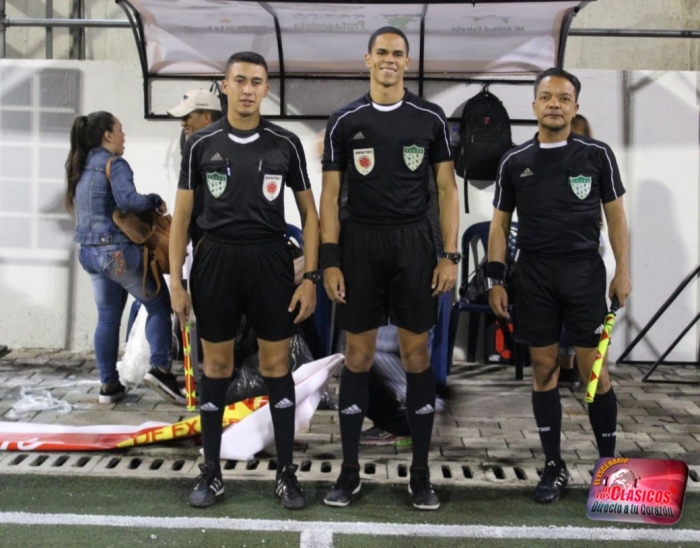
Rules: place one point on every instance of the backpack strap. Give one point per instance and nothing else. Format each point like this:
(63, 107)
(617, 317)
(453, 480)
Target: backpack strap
(108, 168)
(150, 260)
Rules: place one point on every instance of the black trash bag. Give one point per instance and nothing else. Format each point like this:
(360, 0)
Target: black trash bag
(247, 382)
(299, 352)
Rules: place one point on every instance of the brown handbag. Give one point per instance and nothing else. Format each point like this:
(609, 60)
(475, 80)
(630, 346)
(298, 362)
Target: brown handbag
(150, 230)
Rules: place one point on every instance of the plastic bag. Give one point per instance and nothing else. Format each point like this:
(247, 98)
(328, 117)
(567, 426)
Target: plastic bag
(247, 382)
(135, 362)
(32, 400)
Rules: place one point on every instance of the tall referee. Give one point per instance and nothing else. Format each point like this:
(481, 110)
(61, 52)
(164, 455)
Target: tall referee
(242, 264)
(385, 265)
(557, 181)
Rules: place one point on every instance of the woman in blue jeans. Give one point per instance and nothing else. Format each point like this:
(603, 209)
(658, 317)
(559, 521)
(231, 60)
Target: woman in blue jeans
(114, 263)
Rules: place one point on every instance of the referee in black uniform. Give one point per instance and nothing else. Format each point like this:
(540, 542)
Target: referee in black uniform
(385, 265)
(557, 182)
(242, 264)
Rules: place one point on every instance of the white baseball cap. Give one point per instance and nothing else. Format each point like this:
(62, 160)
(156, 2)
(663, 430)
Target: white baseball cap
(196, 99)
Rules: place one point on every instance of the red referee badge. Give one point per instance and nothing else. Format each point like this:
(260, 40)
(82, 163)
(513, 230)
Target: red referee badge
(364, 160)
(272, 185)
(637, 490)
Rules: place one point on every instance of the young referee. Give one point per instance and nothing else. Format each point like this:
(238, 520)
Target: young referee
(386, 265)
(242, 266)
(557, 181)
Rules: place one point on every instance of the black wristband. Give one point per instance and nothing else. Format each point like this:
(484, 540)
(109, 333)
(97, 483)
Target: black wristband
(496, 270)
(330, 256)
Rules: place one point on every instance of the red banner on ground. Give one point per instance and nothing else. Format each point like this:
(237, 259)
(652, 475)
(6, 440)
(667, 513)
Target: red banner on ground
(24, 436)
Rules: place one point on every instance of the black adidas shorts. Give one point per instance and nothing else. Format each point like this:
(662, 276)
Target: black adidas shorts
(388, 271)
(552, 291)
(231, 280)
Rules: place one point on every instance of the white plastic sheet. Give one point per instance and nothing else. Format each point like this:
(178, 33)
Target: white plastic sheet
(32, 400)
(243, 440)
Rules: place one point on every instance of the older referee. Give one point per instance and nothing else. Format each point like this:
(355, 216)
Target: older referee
(557, 181)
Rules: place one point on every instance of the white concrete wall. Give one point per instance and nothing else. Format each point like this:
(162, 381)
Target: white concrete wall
(47, 298)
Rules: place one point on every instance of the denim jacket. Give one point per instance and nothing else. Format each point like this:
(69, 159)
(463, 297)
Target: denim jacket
(96, 199)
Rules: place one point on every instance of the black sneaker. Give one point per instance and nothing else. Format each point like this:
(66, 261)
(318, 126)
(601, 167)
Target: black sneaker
(347, 485)
(424, 497)
(209, 486)
(569, 378)
(554, 478)
(288, 490)
(165, 384)
(110, 393)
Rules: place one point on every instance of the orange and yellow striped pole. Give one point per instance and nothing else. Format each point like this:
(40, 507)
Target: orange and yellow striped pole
(190, 394)
(602, 350)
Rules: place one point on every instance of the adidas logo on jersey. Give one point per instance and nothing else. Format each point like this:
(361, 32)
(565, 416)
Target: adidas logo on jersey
(216, 156)
(426, 410)
(358, 135)
(352, 410)
(208, 407)
(599, 331)
(283, 404)
(527, 173)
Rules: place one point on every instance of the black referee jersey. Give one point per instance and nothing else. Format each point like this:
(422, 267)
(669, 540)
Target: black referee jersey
(557, 192)
(386, 152)
(243, 175)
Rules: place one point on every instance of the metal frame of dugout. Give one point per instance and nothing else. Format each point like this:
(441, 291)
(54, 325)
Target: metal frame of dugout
(695, 274)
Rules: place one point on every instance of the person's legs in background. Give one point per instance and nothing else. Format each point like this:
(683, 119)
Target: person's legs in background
(158, 322)
(387, 394)
(569, 376)
(110, 299)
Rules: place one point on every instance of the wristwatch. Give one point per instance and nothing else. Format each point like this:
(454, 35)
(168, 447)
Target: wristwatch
(454, 257)
(314, 276)
(492, 282)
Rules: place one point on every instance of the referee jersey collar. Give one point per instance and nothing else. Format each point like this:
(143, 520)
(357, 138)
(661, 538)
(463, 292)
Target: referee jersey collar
(387, 108)
(243, 136)
(550, 146)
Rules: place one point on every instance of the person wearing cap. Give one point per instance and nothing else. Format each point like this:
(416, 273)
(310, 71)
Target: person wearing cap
(198, 109)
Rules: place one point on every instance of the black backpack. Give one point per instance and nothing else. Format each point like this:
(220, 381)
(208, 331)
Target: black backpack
(484, 136)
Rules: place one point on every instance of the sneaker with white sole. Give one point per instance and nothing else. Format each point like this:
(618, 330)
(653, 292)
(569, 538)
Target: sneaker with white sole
(111, 393)
(165, 384)
(347, 485)
(420, 488)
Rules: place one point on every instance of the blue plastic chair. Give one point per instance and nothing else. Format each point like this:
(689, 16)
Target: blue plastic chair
(474, 237)
(439, 347)
(323, 314)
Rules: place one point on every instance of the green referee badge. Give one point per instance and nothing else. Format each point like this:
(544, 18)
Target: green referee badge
(581, 186)
(216, 183)
(413, 156)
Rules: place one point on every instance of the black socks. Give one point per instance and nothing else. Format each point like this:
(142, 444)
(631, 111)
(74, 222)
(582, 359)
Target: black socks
(420, 406)
(602, 413)
(352, 406)
(547, 409)
(212, 401)
(282, 407)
